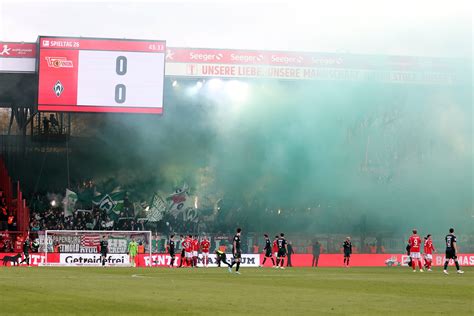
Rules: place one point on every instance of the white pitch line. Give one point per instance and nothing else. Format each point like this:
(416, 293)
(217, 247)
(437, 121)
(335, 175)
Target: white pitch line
(139, 276)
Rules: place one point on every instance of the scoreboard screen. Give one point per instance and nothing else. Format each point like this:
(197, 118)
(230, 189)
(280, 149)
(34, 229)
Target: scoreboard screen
(100, 75)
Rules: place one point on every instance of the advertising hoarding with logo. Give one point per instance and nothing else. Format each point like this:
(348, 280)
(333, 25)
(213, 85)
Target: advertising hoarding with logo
(285, 65)
(17, 57)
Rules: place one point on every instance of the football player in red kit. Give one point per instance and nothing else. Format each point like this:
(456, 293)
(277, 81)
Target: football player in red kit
(195, 250)
(415, 243)
(188, 250)
(428, 252)
(275, 250)
(205, 245)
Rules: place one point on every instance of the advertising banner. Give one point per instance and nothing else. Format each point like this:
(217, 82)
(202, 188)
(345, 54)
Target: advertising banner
(248, 260)
(228, 63)
(164, 260)
(17, 57)
(367, 260)
(35, 258)
(86, 259)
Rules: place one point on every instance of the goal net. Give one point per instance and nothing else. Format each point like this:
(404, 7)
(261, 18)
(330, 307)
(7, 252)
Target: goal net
(82, 248)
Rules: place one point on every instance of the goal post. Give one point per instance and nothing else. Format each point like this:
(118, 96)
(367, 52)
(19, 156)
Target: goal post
(82, 247)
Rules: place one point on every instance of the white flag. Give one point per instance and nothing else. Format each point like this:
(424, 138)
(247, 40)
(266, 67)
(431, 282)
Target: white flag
(69, 202)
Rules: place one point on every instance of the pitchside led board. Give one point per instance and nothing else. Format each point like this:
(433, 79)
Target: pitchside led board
(100, 75)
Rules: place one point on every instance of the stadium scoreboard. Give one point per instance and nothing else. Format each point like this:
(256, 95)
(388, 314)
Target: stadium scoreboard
(100, 75)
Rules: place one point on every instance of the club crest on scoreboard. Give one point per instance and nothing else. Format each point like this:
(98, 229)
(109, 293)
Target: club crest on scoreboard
(58, 88)
(59, 62)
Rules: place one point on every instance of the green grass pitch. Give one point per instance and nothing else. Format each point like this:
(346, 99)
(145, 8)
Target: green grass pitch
(257, 291)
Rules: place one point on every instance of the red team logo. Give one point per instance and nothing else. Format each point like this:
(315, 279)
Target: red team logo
(59, 62)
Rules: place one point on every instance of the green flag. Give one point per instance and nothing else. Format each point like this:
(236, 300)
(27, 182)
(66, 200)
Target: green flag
(111, 203)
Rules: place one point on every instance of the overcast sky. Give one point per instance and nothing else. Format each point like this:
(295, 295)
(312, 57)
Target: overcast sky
(399, 27)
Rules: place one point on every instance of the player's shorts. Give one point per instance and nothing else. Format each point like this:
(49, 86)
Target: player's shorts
(275, 254)
(195, 253)
(26, 253)
(268, 253)
(205, 254)
(347, 254)
(103, 253)
(281, 253)
(238, 254)
(182, 253)
(415, 255)
(172, 254)
(188, 254)
(428, 256)
(451, 254)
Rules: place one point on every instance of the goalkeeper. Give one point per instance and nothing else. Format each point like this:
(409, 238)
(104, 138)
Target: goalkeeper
(132, 252)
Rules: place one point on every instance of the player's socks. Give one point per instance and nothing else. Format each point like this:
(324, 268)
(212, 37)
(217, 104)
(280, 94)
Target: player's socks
(348, 262)
(420, 265)
(278, 261)
(237, 266)
(282, 262)
(273, 261)
(264, 259)
(457, 264)
(446, 265)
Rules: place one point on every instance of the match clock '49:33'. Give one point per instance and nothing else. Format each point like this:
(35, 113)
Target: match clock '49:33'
(100, 75)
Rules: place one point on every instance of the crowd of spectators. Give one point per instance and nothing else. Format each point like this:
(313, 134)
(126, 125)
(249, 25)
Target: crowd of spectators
(95, 219)
(7, 216)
